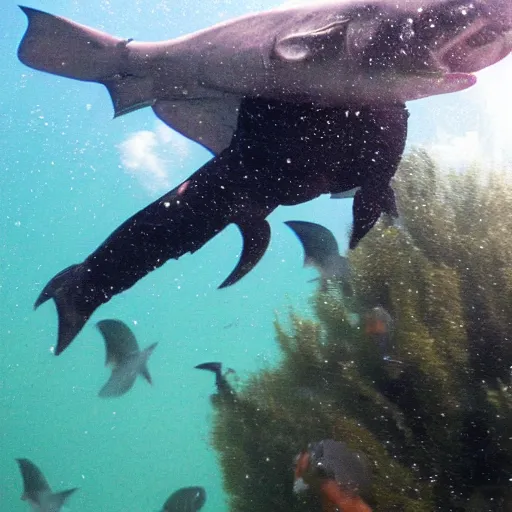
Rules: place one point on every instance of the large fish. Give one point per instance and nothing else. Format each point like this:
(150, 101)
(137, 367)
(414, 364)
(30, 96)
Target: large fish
(186, 499)
(331, 53)
(266, 165)
(294, 103)
(37, 491)
(124, 356)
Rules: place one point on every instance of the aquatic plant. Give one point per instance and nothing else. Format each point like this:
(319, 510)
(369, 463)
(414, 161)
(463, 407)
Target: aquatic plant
(434, 418)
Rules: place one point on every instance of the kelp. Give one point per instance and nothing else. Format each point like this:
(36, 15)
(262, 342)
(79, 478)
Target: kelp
(434, 418)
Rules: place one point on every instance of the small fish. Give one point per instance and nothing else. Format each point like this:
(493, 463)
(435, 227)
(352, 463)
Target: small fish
(224, 388)
(322, 252)
(186, 499)
(334, 472)
(378, 324)
(124, 356)
(37, 491)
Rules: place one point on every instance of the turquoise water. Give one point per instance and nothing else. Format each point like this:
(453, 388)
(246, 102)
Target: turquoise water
(65, 186)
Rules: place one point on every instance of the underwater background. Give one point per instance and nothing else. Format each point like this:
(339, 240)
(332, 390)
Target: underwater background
(70, 175)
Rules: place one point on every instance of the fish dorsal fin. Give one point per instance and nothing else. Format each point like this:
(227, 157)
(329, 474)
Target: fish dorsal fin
(210, 122)
(322, 42)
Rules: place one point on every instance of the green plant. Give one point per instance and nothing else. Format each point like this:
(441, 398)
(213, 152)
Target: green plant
(436, 421)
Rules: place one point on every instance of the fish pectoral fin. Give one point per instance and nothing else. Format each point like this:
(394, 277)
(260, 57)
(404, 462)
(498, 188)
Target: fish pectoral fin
(323, 42)
(210, 122)
(367, 208)
(256, 237)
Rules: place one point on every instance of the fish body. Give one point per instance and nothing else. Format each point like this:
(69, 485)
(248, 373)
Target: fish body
(266, 165)
(337, 53)
(322, 252)
(335, 473)
(186, 499)
(123, 354)
(36, 490)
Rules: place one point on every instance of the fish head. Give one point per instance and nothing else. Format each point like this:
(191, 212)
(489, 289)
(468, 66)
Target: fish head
(420, 48)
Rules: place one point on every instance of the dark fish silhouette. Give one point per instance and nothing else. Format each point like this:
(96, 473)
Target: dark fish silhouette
(322, 252)
(37, 491)
(224, 388)
(334, 472)
(186, 499)
(124, 356)
(279, 98)
(265, 166)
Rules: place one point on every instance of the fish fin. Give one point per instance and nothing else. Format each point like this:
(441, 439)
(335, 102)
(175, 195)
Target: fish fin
(120, 342)
(55, 502)
(256, 237)
(63, 47)
(144, 367)
(388, 202)
(212, 367)
(34, 481)
(318, 242)
(367, 208)
(323, 42)
(73, 306)
(210, 122)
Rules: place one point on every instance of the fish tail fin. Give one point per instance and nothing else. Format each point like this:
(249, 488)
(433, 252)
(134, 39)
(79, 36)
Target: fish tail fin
(57, 500)
(74, 307)
(144, 359)
(63, 47)
(212, 367)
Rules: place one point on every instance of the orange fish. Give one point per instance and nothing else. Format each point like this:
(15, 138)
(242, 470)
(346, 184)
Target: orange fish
(379, 326)
(334, 472)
